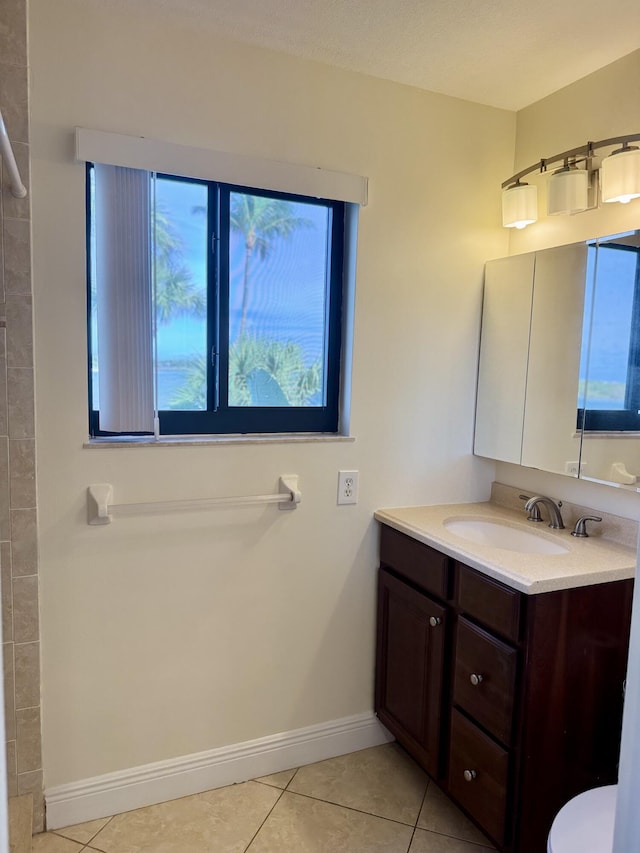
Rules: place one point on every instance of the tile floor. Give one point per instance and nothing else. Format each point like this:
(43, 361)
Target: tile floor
(374, 801)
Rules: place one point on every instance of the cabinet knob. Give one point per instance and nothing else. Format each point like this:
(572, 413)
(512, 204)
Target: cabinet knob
(434, 621)
(475, 679)
(469, 775)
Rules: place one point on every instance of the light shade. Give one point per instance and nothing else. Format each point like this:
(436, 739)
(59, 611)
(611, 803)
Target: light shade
(519, 205)
(620, 175)
(568, 191)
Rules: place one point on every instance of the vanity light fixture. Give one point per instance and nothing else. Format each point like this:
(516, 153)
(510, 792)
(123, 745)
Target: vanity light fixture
(621, 174)
(519, 205)
(573, 187)
(568, 190)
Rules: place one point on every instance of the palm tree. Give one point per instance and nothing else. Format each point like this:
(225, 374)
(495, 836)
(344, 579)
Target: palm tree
(176, 293)
(259, 366)
(260, 220)
(256, 366)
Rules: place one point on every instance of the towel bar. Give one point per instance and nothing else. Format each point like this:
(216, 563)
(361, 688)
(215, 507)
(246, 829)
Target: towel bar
(101, 509)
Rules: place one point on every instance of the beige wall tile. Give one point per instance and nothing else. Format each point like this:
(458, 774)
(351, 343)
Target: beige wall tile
(18, 208)
(17, 489)
(5, 514)
(9, 691)
(20, 402)
(31, 783)
(22, 473)
(4, 415)
(24, 543)
(27, 675)
(28, 741)
(25, 609)
(19, 330)
(14, 100)
(7, 592)
(17, 257)
(2, 296)
(13, 31)
(12, 770)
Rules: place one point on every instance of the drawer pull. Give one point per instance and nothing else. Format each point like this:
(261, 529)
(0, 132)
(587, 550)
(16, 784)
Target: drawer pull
(469, 775)
(475, 679)
(434, 621)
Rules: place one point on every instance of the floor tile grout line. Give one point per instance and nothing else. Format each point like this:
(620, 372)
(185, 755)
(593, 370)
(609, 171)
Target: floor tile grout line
(93, 849)
(479, 844)
(61, 834)
(350, 808)
(268, 815)
(415, 826)
(292, 778)
(424, 798)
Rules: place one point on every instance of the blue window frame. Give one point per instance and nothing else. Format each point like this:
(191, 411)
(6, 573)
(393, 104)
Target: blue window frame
(246, 294)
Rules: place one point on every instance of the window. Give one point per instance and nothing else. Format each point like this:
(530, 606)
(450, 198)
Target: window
(609, 393)
(213, 308)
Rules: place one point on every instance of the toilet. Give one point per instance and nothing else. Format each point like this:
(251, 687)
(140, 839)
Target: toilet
(585, 823)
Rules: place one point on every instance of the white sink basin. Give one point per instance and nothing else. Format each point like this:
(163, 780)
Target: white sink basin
(499, 535)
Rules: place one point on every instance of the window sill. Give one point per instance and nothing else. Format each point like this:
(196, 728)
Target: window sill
(607, 434)
(213, 440)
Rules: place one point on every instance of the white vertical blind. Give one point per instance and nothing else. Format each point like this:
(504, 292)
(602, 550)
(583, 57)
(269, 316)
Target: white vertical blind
(124, 299)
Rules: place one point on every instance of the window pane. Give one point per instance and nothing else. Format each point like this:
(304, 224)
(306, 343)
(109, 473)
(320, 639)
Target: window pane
(278, 301)
(610, 314)
(181, 287)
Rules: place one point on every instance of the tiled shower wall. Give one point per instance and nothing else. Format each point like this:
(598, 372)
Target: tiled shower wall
(18, 542)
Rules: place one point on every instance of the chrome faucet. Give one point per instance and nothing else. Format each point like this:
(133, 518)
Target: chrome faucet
(555, 518)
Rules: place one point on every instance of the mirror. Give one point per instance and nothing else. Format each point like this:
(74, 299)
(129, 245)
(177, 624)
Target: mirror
(609, 393)
(559, 372)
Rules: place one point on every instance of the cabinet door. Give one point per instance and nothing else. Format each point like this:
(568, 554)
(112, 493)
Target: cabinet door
(409, 668)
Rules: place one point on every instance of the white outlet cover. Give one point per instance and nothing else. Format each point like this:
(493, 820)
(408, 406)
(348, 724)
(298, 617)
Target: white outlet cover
(347, 487)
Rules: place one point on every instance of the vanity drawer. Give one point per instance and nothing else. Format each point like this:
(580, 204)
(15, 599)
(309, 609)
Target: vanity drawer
(484, 684)
(478, 775)
(490, 602)
(417, 562)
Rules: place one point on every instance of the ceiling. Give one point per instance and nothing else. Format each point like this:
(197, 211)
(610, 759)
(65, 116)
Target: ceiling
(505, 53)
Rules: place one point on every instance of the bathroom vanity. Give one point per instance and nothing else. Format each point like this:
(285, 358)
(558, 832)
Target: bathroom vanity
(501, 672)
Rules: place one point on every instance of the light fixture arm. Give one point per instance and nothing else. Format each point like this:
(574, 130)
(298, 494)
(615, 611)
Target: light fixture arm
(582, 152)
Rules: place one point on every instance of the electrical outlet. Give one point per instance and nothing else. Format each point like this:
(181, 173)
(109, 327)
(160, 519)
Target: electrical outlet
(571, 468)
(347, 487)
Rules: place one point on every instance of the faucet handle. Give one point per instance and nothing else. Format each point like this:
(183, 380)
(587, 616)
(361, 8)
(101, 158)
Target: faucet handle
(534, 513)
(580, 529)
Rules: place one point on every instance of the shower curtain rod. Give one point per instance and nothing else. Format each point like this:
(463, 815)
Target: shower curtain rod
(18, 189)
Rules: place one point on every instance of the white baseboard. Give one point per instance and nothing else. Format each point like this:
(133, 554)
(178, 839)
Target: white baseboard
(102, 796)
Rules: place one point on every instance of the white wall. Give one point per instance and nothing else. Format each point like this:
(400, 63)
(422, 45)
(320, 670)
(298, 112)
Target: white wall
(602, 105)
(169, 635)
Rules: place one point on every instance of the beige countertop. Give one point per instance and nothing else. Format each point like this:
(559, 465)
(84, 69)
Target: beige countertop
(588, 561)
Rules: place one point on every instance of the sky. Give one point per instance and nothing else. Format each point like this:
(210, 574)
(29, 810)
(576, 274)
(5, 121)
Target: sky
(287, 288)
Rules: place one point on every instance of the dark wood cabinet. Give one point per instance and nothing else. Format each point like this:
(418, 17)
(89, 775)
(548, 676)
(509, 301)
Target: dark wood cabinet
(410, 668)
(511, 702)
